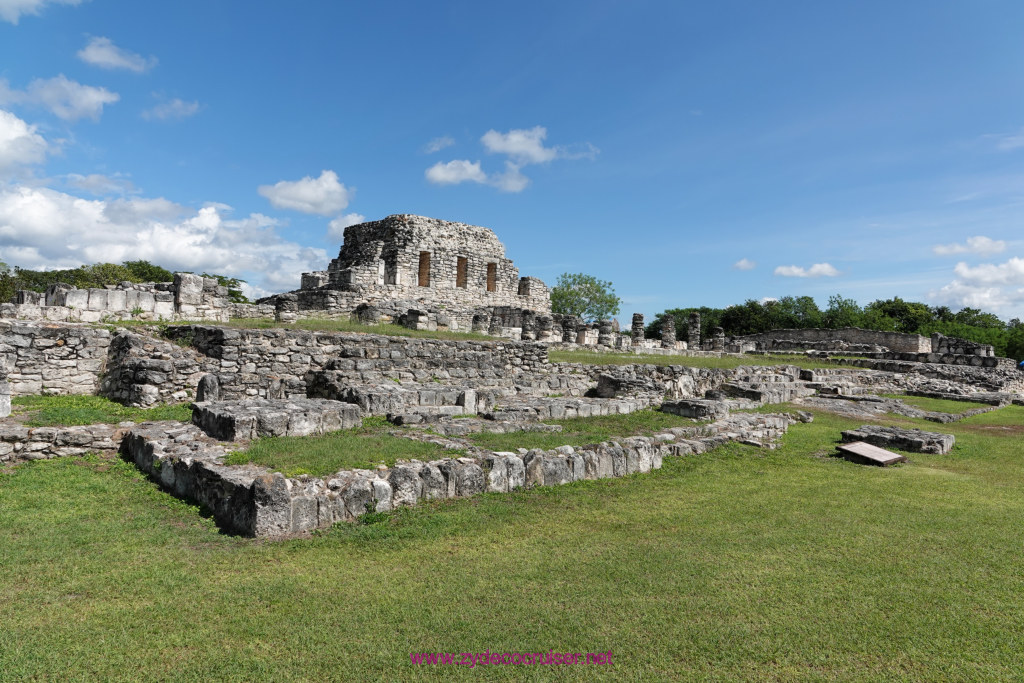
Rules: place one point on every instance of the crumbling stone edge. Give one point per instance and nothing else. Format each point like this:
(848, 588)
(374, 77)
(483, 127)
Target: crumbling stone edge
(253, 501)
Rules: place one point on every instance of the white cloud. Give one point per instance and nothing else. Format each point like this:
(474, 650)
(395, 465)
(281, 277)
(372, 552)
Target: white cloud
(455, 172)
(959, 294)
(336, 228)
(172, 109)
(437, 144)
(980, 244)
(744, 264)
(511, 180)
(100, 185)
(323, 196)
(12, 10)
(817, 270)
(42, 227)
(988, 274)
(103, 53)
(20, 144)
(67, 99)
(524, 146)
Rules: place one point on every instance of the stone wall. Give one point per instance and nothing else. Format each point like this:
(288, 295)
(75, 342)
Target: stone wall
(277, 363)
(954, 346)
(49, 359)
(893, 341)
(189, 297)
(19, 443)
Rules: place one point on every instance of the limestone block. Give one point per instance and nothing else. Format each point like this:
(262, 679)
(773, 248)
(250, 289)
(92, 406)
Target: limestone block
(188, 289)
(77, 298)
(163, 310)
(434, 484)
(5, 398)
(383, 496)
(116, 300)
(406, 483)
(97, 299)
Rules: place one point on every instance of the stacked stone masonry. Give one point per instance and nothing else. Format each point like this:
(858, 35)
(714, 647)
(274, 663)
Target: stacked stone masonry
(188, 297)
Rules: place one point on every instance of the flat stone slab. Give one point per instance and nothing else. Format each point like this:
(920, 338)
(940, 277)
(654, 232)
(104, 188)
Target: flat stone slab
(698, 408)
(913, 440)
(246, 420)
(865, 454)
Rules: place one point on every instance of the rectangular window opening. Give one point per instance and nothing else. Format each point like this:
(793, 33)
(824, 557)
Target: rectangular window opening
(492, 277)
(462, 272)
(424, 269)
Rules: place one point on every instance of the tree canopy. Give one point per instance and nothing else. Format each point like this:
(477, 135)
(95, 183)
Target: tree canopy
(584, 296)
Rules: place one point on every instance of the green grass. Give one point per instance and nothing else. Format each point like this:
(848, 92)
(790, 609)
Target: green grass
(739, 564)
(360, 448)
(583, 431)
(66, 411)
(936, 405)
(726, 362)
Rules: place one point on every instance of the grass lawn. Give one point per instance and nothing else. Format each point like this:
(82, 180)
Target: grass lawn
(736, 564)
(583, 431)
(937, 405)
(360, 448)
(726, 362)
(66, 411)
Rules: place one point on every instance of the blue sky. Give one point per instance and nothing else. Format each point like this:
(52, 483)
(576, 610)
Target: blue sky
(691, 153)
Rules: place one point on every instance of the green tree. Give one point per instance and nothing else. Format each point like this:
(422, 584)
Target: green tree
(584, 296)
(147, 272)
(843, 313)
(906, 316)
(975, 318)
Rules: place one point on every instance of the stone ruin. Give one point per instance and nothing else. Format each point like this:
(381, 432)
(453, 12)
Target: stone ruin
(425, 274)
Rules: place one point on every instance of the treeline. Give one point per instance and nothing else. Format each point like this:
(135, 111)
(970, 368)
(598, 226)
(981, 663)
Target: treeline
(889, 315)
(99, 275)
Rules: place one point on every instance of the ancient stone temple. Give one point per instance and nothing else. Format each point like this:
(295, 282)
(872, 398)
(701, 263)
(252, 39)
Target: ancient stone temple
(443, 269)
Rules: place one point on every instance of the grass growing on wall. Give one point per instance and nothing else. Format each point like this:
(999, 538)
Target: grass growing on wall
(739, 564)
(347, 325)
(937, 405)
(363, 447)
(725, 362)
(584, 431)
(66, 411)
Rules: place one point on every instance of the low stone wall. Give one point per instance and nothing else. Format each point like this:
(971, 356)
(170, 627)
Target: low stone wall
(19, 443)
(277, 363)
(188, 297)
(5, 395)
(894, 341)
(252, 501)
(52, 359)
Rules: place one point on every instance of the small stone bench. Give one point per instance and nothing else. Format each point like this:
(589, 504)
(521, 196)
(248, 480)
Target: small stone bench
(246, 420)
(912, 440)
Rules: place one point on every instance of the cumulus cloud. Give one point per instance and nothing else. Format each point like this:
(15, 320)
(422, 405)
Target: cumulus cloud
(986, 274)
(20, 144)
(171, 110)
(336, 228)
(455, 172)
(437, 144)
(103, 53)
(817, 270)
(12, 10)
(323, 196)
(67, 99)
(744, 264)
(42, 227)
(512, 180)
(524, 146)
(979, 244)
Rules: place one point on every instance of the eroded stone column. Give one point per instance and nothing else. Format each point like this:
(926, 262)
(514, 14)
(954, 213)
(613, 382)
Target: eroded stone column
(569, 330)
(693, 333)
(637, 331)
(605, 334)
(718, 339)
(529, 326)
(545, 325)
(668, 332)
(286, 308)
